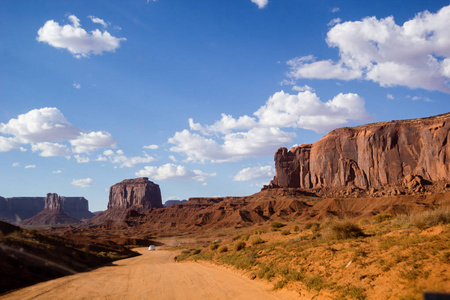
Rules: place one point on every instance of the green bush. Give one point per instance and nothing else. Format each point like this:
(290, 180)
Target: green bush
(285, 232)
(256, 240)
(280, 284)
(295, 228)
(314, 226)
(245, 237)
(213, 246)
(239, 246)
(222, 249)
(277, 225)
(195, 251)
(431, 218)
(382, 217)
(344, 230)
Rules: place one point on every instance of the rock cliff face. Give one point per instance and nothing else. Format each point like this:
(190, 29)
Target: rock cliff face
(369, 156)
(137, 193)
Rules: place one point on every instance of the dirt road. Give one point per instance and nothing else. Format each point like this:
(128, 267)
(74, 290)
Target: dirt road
(154, 275)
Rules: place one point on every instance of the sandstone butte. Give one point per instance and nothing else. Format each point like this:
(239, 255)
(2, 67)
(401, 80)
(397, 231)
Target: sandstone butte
(369, 156)
(139, 193)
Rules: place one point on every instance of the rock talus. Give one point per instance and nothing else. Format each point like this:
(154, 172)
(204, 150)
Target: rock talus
(137, 193)
(369, 156)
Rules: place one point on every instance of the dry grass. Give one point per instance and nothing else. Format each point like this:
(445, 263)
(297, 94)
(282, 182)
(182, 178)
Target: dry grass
(347, 260)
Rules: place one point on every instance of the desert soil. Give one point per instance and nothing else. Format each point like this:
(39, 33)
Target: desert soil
(153, 275)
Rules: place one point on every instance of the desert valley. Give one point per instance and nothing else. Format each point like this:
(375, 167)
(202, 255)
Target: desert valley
(363, 213)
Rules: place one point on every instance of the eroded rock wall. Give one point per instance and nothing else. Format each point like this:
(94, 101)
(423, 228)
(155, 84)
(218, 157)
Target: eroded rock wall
(369, 156)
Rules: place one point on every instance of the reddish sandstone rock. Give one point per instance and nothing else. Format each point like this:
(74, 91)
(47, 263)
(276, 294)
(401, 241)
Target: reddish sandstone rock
(136, 193)
(370, 156)
(52, 202)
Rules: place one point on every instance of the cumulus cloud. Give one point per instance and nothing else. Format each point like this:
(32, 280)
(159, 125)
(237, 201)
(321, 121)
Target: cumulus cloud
(30, 166)
(88, 142)
(231, 139)
(82, 159)
(16, 164)
(76, 40)
(302, 88)
(76, 85)
(173, 172)
(84, 182)
(8, 144)
(252, 173)
(57, 172)
(49, 133)
(122, 160)
(260, 3)
(98, 21)
(415, 54)
(390, 96)
(50, 149)
(46, 124)
(151, 147)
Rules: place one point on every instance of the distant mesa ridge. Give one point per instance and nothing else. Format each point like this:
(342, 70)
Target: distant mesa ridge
(139, 193)
(369, 156)
(16, 209)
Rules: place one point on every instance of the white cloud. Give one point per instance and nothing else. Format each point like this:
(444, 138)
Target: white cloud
(260, 3)
(76, 85)
(30, 166)
(173, 172)
(101, 158)
(47, 124)
(57, 172)
(98, 21)
(335, 9)
(84, 182)
(82, 159)
(23, 149)
(334, 22)
(230, 139)
(302, 88)
(108, 152)
(50, 149)
(172, 158)
(8, 144)
(16, 164)
(415, 54)
(151, 147)
(417, 98)
(88, 142)
(390, 97)
(252, 173)
(76, 40)
(129, 162)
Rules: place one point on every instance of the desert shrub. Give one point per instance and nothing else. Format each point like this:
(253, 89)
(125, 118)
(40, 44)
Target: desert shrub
(277, 225)
(256, 240)
(258, 232)
(266, 271)
(314, 226)
(445, 258)
(344, 230)
(242, 260)
(353, 292)
(245, 237)
(382, 217)
(295, 228)
(280, 284)
(195, 251)
(431, 218)
(237, 237)
(363, 221)
(213, 246)
(239, 246)
(222, 249)
(285, 232)
(314, 282)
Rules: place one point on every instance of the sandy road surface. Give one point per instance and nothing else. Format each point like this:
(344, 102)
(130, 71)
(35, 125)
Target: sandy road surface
(154, 275)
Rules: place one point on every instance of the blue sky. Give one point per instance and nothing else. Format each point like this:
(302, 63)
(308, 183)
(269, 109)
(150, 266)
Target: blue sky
(198, 95)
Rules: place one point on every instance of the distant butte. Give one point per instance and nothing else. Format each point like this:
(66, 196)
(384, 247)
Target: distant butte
(139, 193)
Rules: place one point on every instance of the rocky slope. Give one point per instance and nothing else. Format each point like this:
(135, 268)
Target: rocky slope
(139, 193)
(369, 156)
